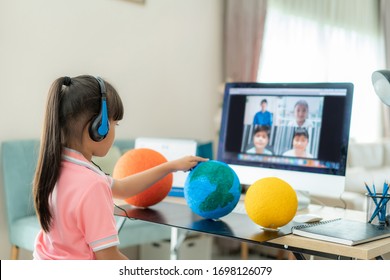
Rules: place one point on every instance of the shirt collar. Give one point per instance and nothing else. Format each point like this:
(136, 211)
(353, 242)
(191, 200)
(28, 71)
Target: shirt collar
(76, 157)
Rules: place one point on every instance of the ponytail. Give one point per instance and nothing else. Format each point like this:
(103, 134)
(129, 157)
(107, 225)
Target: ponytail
(49, 159)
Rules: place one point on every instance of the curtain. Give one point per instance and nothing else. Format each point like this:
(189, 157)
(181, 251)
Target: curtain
(243, 36)
(243, 31)
(385, 28)
(327, 41)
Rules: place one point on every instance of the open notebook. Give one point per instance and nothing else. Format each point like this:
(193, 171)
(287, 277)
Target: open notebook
(342, 231)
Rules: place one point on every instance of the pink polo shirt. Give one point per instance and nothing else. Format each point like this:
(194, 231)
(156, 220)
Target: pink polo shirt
(83, 212)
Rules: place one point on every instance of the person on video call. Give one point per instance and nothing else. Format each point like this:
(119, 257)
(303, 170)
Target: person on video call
(263, 117)
(260, 140)
(301, 112)
(299, 143)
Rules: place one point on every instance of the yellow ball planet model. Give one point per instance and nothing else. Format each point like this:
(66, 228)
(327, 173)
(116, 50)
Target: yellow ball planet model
(271, 203)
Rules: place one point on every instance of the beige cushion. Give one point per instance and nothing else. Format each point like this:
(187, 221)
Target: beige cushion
(356, 177)
(368, 155)
(386, 147)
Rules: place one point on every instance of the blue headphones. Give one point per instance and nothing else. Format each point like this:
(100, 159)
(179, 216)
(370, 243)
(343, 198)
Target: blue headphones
(100, 125)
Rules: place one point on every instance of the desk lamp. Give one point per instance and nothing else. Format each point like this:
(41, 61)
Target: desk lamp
(381, 82)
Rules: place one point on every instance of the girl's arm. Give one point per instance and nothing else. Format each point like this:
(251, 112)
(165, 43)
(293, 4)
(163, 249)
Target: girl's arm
(111, 253)
(136, 183)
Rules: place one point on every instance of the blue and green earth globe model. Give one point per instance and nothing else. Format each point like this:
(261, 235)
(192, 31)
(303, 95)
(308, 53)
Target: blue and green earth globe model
(212, 189)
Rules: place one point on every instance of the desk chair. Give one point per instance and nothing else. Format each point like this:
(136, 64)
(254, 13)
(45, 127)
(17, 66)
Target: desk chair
(19, 160)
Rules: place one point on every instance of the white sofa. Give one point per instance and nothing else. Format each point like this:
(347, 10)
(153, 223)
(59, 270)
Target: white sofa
(366, 163)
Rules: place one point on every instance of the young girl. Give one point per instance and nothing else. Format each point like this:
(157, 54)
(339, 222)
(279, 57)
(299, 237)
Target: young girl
(299, 143)
(301, 112)
(73, 198)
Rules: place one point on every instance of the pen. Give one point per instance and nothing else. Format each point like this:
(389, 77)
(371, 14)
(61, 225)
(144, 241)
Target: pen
(382, 203)
(371, 194)
(380, 209)
(383, 211)
(368, 189)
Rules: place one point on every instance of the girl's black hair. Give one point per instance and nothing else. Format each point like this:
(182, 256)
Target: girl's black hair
(301, 131)
(265, 128)
(72, 103)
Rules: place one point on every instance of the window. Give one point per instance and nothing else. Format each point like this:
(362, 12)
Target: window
(327, 41)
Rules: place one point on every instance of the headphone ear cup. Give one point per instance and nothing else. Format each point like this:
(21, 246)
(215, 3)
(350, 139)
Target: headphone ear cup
(98, 130)
(94, 129)
(100, 125)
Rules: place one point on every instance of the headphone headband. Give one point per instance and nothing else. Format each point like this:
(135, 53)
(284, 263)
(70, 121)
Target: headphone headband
(100, 125)
(102, 86)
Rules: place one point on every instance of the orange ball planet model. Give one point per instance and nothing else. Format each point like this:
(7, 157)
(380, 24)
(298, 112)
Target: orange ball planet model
(138, 160)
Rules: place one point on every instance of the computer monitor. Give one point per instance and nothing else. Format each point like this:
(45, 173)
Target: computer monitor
(318, 169)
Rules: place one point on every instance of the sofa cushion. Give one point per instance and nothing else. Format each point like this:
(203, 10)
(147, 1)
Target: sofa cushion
(367, 155)
(386, 147)
(356, 177)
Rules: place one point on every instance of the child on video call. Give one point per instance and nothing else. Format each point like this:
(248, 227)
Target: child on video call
(263, 117)
(73, 197)
(301, 113)
(299, 143)
(260, 140)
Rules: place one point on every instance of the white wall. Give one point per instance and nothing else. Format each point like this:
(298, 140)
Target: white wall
(164, 58)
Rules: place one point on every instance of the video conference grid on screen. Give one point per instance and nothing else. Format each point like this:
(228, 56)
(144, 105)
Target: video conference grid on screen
(292, 128)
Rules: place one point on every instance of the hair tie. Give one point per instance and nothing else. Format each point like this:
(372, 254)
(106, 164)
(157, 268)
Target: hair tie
(67, 81)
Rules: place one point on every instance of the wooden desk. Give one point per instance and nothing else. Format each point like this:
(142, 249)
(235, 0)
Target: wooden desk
(175, 213)
(296, 243)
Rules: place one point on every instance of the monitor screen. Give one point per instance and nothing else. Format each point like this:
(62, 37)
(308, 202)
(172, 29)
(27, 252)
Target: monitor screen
(295, 131)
